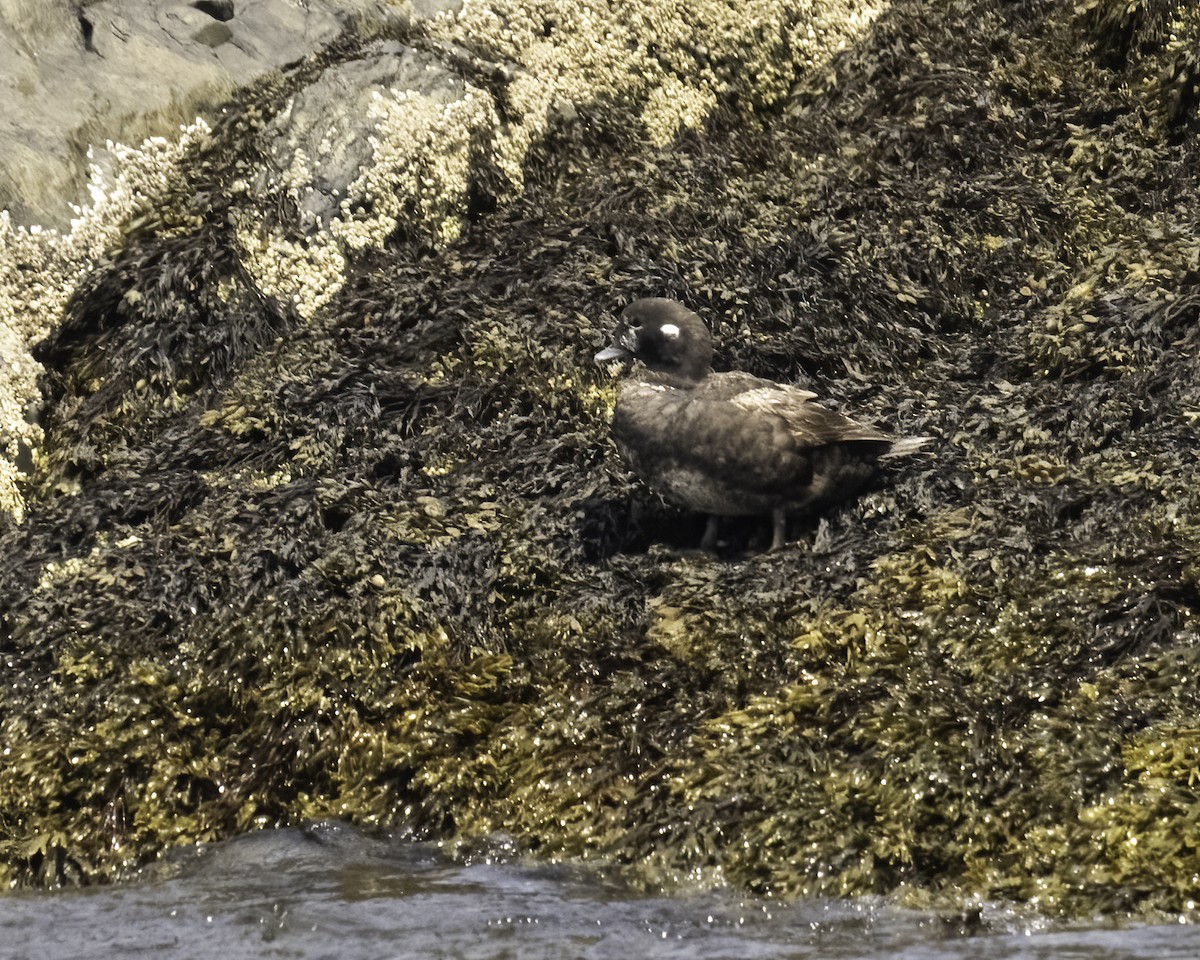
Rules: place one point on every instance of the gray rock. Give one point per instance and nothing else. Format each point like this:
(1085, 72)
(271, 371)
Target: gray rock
(76, 74)
(329, 121)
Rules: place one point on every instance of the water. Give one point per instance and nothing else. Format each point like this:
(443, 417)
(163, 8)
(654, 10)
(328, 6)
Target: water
(329, 892)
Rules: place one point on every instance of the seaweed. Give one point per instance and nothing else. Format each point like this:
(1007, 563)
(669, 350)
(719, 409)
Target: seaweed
(385, 566)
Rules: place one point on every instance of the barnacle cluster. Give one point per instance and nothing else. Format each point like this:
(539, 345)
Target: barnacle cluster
(531, 66)
(40, 268)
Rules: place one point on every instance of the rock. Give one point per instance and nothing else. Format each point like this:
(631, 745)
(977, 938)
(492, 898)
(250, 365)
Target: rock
(377, 561)
(75, 76)
(332, 124)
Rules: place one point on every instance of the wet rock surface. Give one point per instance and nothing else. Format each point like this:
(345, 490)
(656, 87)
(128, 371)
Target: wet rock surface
(381, 563)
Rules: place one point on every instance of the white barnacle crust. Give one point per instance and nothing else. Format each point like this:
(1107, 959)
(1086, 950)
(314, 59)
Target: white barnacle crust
(419, 175)
(670, 56)
(40, 267)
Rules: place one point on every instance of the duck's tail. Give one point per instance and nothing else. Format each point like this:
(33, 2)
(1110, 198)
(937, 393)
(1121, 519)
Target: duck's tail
(902, 448)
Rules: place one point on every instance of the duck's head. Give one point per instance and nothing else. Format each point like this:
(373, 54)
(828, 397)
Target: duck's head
(664, 335)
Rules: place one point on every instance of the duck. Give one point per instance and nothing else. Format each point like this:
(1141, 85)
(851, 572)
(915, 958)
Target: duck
(730, 444)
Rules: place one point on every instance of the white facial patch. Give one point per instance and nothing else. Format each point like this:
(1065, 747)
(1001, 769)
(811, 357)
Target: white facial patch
(670, 331)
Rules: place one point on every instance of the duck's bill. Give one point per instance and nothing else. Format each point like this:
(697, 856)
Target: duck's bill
(612, 352)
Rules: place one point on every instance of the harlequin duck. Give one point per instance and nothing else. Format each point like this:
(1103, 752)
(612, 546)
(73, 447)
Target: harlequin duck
(730, 444)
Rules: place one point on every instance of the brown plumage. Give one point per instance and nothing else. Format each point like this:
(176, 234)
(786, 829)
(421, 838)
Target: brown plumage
(730, 444)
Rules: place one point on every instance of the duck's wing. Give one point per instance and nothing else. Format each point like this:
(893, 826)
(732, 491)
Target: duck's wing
(809, 424)
(734, 384)
(730, 433)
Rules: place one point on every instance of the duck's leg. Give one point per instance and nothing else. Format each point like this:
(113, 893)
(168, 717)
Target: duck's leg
(708, 543)
(779, 533)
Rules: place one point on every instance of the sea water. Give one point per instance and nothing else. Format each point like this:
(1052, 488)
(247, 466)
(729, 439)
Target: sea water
(327, 891)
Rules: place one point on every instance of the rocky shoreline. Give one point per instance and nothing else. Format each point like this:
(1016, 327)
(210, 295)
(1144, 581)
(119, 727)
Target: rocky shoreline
(320, 518)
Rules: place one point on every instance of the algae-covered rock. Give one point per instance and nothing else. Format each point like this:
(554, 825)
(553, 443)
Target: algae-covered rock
(377, 559)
